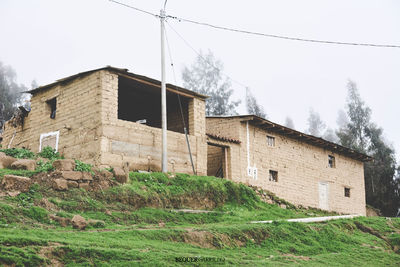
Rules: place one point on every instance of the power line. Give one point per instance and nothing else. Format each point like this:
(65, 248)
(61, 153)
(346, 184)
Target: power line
(204, 59)
(134, 8)
(170, 56)
(258, 33)
(282, 36)
(180, 36)
(180, 102)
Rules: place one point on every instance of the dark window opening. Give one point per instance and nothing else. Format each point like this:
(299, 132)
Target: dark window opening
(138, 102)
(347, 192)
(331, 161)
(273, 176)
(270, 140)
(52, 105)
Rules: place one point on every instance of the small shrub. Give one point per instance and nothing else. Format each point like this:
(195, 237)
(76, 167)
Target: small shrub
(98, 224)
(13, 256)
(42, 166)
(26, 199)
(83, 167)
(111, 169)
(395, 240)
(19, 153)
(37, 213)
(92, 204)
(71, 205)
(64, 214)
(49, 153)
(7, 214)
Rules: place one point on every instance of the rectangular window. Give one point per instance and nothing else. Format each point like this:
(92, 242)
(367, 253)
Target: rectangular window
(331, 161)
(273, 176)
(52, 105)
(270, 140)
(347, 192)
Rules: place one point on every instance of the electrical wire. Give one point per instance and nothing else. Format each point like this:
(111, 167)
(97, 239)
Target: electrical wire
(204, 59)
(282, 36)
(180, 103)
(257, 33)
(134, 8)
(173, 72)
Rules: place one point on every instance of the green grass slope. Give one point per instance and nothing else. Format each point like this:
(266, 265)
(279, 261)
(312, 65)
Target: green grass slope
(142, 224)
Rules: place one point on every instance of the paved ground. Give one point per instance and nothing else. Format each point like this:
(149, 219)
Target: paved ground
(313, 219)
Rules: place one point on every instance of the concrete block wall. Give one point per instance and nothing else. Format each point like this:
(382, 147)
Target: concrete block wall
(77, 119)
(300, 168)
(140, 145)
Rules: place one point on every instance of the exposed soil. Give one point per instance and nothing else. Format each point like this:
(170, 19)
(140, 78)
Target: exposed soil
(304, 258)
(47, 252)
(202, 239)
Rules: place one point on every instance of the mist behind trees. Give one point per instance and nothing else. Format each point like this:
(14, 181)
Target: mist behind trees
(356, 131)
(252, 105)
(205, 76)
(10, 93)
(382, 180)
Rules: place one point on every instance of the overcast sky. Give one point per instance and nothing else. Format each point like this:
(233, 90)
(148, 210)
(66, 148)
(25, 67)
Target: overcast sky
(49, 39)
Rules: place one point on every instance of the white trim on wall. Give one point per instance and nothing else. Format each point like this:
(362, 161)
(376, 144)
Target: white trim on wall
(57, 134)
(249, 170)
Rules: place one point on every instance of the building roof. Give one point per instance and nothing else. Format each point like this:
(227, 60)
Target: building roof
(125, 73)
(310, 139)
(223, 138)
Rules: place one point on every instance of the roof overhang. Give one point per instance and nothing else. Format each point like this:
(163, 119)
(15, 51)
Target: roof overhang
(223, 138)
(309, 139)
(124, 73)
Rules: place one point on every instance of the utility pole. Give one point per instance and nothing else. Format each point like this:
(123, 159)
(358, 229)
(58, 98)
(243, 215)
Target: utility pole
(164, 161)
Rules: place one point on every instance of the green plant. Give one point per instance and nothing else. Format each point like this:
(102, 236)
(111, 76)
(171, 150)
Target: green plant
(42, 166)
(14, 256)
(20, 153)
(111, 169)
(16, 172)
(49, 153)
(7, 214)
(98, 224)
(37, 213)
(27, 199)
(83, 167)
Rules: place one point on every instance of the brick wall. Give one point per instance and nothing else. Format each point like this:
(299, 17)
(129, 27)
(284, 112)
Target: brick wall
(140, 145)
(197, 117)
(77, 119)
(300, 168)
(233, 155)
(226, 127)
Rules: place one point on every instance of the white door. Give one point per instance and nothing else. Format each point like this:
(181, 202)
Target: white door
(323, 189)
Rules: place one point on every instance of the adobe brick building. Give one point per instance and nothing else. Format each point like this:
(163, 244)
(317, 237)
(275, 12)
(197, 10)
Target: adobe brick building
(109, 116)
(300, 168)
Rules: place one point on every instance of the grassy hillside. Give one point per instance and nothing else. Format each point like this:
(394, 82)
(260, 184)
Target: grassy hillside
(142, 223)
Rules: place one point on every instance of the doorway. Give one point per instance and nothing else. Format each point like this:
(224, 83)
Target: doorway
(323, 189)
(216, 160)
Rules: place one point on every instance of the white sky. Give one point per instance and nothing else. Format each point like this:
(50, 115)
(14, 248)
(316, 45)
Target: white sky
(50, 39)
